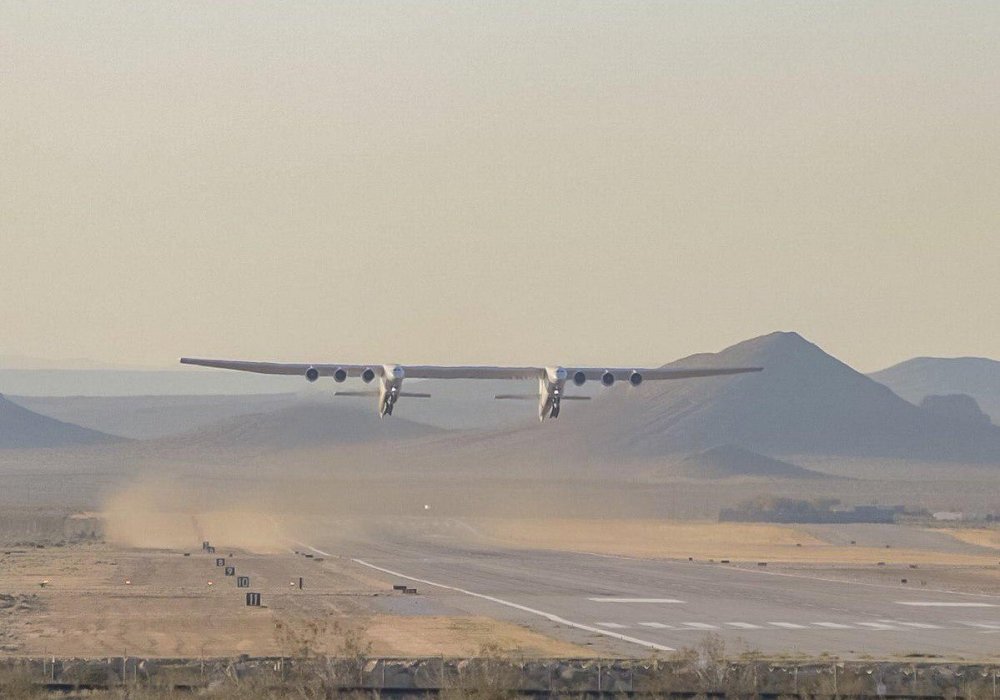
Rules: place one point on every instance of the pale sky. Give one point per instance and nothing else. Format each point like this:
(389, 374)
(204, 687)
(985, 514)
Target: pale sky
(560, 182)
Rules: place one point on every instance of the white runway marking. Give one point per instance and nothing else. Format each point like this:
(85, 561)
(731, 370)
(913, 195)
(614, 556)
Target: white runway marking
(833, 625)
(880, 626)
(788, 625)
(548, 616)
(635, 600)
(744, 625)
(656, 625)
(935, 604)
(921, 625)
(985, 625)
(610, 625)
(700, 625)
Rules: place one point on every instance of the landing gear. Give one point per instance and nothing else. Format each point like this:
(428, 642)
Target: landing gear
(390, 401)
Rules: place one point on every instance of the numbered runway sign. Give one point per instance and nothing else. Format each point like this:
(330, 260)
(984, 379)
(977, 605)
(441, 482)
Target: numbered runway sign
(220, 562)
(253, 600)
(230, 571)
(243, 582)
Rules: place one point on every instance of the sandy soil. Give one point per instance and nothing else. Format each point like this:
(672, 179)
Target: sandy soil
(706, 540)
(102, 600)
(982, 537)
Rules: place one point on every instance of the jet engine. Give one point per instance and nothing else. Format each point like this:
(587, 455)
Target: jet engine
(608, 378)
(368, 375)
(579, 378)
(635, 378)
(339, 375)
(312, 374)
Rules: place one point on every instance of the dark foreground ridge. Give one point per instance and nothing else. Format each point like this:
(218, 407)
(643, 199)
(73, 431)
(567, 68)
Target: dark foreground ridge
(690, 673)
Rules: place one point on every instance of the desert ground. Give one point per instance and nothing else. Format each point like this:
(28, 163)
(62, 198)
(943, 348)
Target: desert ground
(133, 580)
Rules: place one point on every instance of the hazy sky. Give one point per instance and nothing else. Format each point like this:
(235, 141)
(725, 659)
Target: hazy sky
(573, 182)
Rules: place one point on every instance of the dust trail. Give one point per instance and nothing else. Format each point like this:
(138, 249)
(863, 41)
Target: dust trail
(157, 513)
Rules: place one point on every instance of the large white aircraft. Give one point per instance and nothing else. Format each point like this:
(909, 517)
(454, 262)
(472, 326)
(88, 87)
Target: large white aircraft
(551, 380)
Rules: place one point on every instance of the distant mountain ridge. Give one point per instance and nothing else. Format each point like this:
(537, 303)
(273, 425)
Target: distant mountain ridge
(805, 402)
(920, 377)
(21, 428)
(302, 425)
(731, 461)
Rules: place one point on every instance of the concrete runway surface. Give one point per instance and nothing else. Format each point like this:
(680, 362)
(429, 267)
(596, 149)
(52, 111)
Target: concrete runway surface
(638, 606)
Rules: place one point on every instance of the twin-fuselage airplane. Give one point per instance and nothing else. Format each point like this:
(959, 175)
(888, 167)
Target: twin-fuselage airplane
(551, 380)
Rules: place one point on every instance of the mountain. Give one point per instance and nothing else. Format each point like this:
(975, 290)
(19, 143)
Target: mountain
(303, 425)
(805, 402)
(727, 461)
(144, 417)
(929, 376)
(21, 428)
(960, 407)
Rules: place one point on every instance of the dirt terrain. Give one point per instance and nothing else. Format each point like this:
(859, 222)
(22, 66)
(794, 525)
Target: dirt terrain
(93, 600)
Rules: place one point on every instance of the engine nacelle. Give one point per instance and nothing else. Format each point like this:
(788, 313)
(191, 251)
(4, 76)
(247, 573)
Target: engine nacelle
(635, 379)
(312, 374)
(368, 375)
(608, 378)
(339, 375)
(579, 378)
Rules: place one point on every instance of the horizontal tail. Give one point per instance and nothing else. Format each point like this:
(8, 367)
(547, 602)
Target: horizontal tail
(534, 397)
(407, 394)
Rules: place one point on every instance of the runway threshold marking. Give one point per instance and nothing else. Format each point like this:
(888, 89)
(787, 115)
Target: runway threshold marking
(634, 600)
(943, 604)
(517, 606)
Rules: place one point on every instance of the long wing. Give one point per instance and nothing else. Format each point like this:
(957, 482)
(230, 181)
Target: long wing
(412, 371)
(325, 370)
(623, 373)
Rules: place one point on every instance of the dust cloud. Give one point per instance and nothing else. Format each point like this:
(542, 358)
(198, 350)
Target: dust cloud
(157, 513)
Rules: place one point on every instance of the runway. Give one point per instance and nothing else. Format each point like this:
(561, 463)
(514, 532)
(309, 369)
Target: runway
(637, 606)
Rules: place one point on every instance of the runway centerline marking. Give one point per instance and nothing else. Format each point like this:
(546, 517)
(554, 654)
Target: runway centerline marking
(523, 608)
(597, 599)
(788, 625)
(944, 604)
(744, 625)
(833, 625)
(656, 625)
